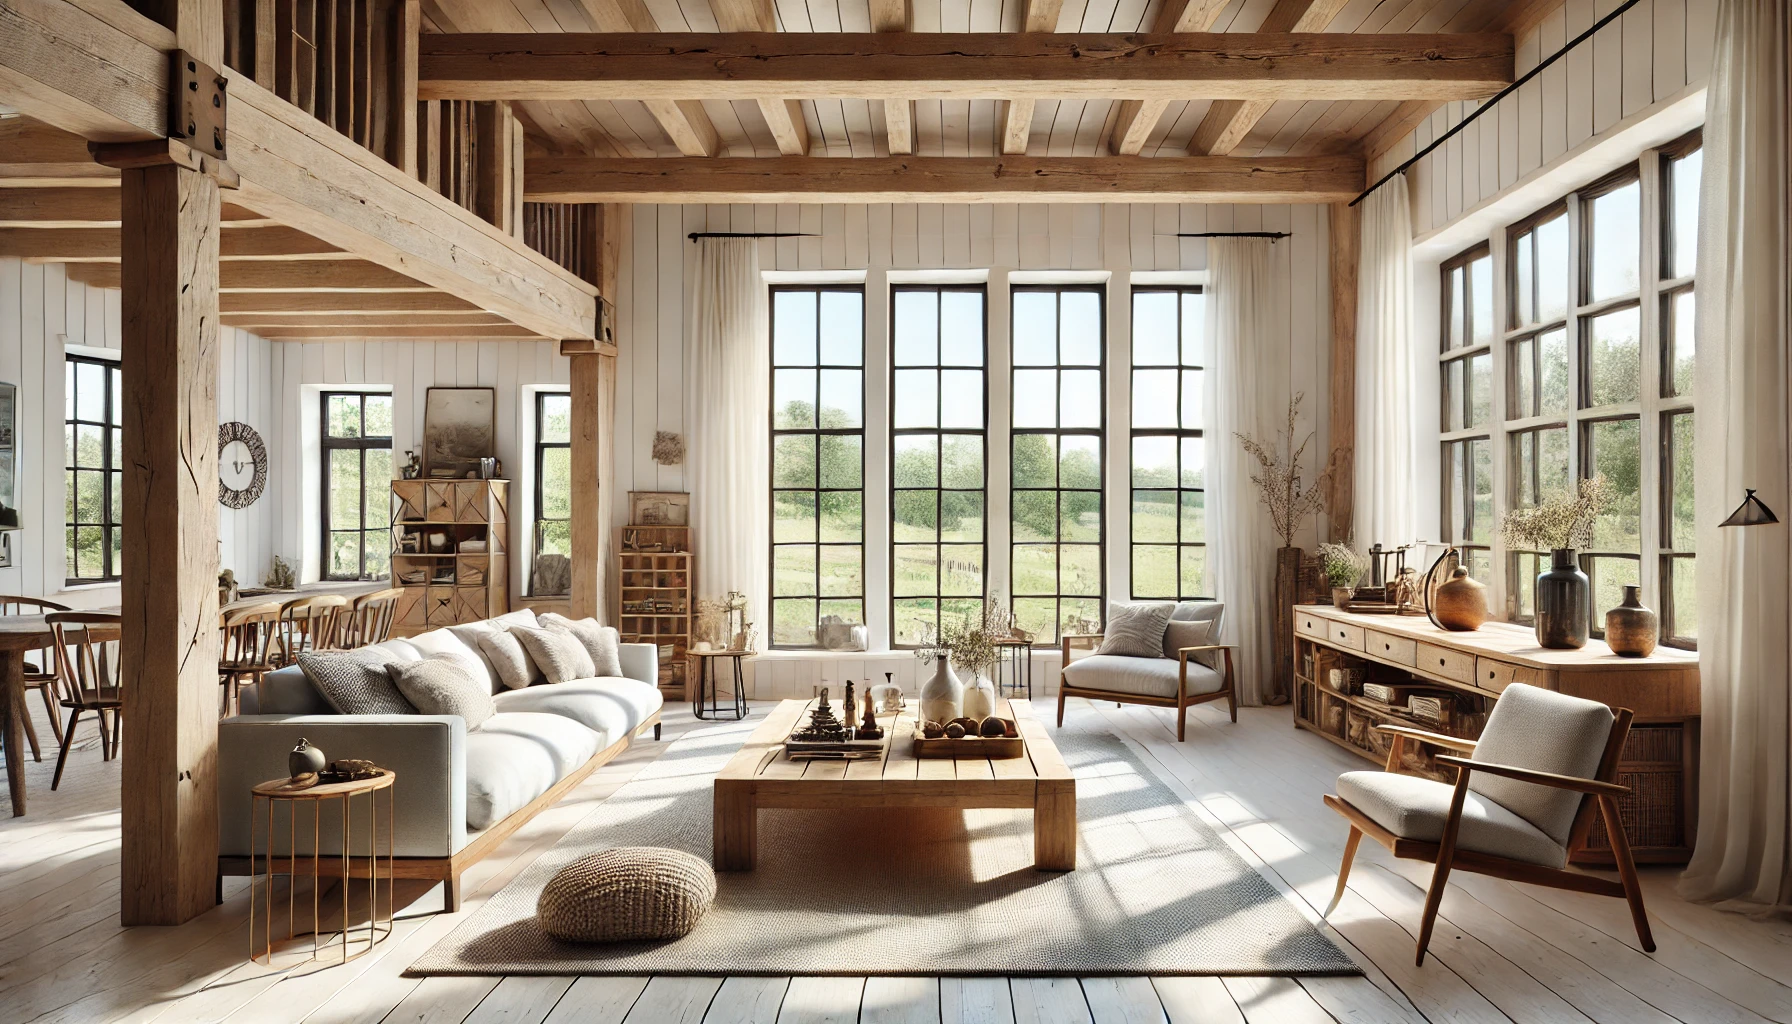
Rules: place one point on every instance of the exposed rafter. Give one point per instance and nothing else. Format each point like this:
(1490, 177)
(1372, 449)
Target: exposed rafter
(1137, 118)
(783, 116)
(899, 124)
(947, 180)
(1036, 65)
(1228, 121)
(1017, 113)
(261, 276)
(101, 245)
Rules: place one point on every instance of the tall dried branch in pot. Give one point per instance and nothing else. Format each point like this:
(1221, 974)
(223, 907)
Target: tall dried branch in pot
(1278, 475)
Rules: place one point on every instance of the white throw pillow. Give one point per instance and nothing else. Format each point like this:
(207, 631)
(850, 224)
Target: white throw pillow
(443, 685)
(560, 655)
(509, 660)
(603, 643)
(1136, 630)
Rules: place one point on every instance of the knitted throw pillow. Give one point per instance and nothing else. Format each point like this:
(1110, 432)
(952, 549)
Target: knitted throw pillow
(1136, 630)
(629, 894)
(603, 643)
(560, 655)
(356, 682)
(508, 658)
(441, 685)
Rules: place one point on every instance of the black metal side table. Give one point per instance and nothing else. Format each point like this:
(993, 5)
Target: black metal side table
(701, 670)
(1016, 658)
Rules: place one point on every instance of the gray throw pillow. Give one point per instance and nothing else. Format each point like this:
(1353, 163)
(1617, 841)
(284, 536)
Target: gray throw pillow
(603, 643)
(441, 685)
(560, 655)
(1136, 630)
(356, 682)
(508, 659)
(1179, 634)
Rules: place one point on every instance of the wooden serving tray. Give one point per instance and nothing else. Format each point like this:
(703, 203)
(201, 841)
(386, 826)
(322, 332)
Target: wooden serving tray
(997, 748)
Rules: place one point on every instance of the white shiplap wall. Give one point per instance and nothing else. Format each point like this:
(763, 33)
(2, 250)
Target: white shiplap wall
(41, 313)
(1117, 239)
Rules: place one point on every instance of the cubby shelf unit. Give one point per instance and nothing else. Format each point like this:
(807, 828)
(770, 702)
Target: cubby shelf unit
(456, 585)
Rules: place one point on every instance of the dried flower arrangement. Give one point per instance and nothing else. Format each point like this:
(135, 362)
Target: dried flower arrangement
(1278, 478)
(1342, 566)
(712, 623)
(668, 448)
(1564, 521)
(972, 644)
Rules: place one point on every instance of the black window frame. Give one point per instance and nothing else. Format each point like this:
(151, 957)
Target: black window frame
(363, 444)
(111, 471)
(1179, 433)
(939, 490)
(541, 449)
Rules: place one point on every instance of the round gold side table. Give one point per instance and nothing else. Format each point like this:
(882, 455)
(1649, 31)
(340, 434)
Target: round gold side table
(345, 866)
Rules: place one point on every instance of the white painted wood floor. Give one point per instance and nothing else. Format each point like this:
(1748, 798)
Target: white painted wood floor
(1503, 952)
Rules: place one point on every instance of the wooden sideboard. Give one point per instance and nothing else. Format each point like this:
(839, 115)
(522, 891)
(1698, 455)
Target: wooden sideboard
(1660, 759)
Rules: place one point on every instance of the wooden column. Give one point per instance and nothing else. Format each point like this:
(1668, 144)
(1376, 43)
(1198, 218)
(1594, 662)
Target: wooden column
(407, 22)
(169, 594)
(495, 149)
(1346, 236)
(593, 429)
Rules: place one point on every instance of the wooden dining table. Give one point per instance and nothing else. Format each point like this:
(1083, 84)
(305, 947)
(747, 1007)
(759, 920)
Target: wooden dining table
(20, 634)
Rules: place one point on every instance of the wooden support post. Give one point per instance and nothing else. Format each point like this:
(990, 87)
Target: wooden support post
(169, 595)
(1346, 236)
(495, 148)
(593, 429)
(407, 23)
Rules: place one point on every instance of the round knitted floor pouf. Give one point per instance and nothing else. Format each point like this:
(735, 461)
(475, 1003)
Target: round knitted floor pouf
(628, 894)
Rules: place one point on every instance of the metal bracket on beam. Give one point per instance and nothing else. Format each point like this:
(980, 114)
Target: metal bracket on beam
(197, 105)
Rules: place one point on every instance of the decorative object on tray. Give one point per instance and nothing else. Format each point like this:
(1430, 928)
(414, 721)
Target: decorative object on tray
(827, 735)
(459, 429)
(1344, 569)
(659, 508)
(1630, 628)
(305, 759)
(849, 707)
(668, 448)
(824, 726)
(971, 645)
(942, 695)
(868, 727)
(349, 769)
(969, 738)
(1560, 525)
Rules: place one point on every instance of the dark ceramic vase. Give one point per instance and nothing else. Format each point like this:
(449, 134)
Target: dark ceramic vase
(1630, 627)
(305, 759)
(1563, 595)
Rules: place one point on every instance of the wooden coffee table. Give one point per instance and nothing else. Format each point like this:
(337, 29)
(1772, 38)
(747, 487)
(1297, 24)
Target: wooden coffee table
(760, 776)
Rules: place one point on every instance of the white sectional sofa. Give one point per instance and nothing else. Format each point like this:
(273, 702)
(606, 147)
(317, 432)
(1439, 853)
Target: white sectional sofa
(458, 794)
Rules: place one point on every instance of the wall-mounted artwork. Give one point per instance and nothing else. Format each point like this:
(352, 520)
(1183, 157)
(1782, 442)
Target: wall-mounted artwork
(659, 508)
(460, 427)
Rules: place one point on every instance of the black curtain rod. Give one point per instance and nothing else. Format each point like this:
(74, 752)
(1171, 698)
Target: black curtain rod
(1502, 94)
(693, 236)
(1233, 234)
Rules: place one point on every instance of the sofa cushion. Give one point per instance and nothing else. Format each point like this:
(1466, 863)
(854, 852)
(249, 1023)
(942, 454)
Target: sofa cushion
(356, 682)
(603, 643)
(285, 691)
(469, 633)
(1415, 808)
(444, 641)
(504, 652)
(515, 757)
(1136, 630)
(560, 655)
(1146, 677)
(442, 685)
(614, 706)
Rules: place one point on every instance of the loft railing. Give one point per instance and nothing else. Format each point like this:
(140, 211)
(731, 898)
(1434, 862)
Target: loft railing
(566, 233)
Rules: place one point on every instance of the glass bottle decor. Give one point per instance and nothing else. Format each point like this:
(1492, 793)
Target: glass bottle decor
(979, 700)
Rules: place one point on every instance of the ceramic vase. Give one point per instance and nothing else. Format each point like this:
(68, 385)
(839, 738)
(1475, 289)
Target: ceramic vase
(1562, 597)
(1460, 603)
(942, 695)
(1630, 628)
(305, 759)
(1341, 597)
(979, 700)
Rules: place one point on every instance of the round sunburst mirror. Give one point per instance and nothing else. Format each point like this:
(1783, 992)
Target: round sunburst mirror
(242, 465)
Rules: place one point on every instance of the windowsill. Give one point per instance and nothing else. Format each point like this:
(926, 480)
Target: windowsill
(86, 588)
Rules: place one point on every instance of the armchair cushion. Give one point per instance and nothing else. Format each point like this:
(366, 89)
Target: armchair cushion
(1136, 630)
(1145, 677)
(1189, 633)
(1415, 808)
(1535, 728)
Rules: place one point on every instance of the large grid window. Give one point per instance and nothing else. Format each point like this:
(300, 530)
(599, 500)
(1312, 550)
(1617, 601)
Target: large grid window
(1169, 460)
(937, 356)
(1056, 552)
(357, 476)
(1596, 351)
(553, 476)
(818, 459)
(93, 460)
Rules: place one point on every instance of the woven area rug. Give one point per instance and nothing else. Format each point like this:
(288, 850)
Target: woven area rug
(873, 892)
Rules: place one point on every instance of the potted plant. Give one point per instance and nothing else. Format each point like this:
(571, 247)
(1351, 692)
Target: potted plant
(1559, 525)
(1343, 569)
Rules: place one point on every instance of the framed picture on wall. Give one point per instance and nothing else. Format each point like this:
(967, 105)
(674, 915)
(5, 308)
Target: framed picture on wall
(460, 427)
(659, 508)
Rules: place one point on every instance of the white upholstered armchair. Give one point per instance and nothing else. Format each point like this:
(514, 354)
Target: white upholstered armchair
(1184, 676)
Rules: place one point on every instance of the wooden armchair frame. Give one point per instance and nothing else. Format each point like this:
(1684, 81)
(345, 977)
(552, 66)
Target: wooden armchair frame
(1181, 702)
(1598, 791)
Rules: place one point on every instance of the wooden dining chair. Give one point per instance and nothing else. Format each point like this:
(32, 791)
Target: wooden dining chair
(306, 624)
(1529, 786)
(247, 636)
(39, 677)
(87, 676)
(368, 620)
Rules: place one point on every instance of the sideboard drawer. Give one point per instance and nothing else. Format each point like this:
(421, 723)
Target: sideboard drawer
(1494, 676)
(1397, 649)
(1311, 625)
(1343, 634)
(1442, 661)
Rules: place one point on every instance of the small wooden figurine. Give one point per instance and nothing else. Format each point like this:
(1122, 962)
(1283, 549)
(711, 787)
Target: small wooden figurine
(849, 708)
(869, 729)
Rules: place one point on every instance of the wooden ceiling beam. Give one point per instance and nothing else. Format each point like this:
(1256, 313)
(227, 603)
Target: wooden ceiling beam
(35, 155)
(474, 333)
(342, 302)
(1137, 118)
(1031, 65)
(1228, 121)
(1321, 179)
(101, 245)
(302, 276)
(899, 122)
(84, 206)
(783, 116)
(684, 121)
(1017, 113)
(375, 318)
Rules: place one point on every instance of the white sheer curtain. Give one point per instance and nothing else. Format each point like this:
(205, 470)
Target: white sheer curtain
(727, 366)
(1247, 393)
(1741, 426)
(1383, 509)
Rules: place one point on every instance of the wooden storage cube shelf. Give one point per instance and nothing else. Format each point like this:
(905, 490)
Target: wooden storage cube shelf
(455, 586)
(655, 594)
